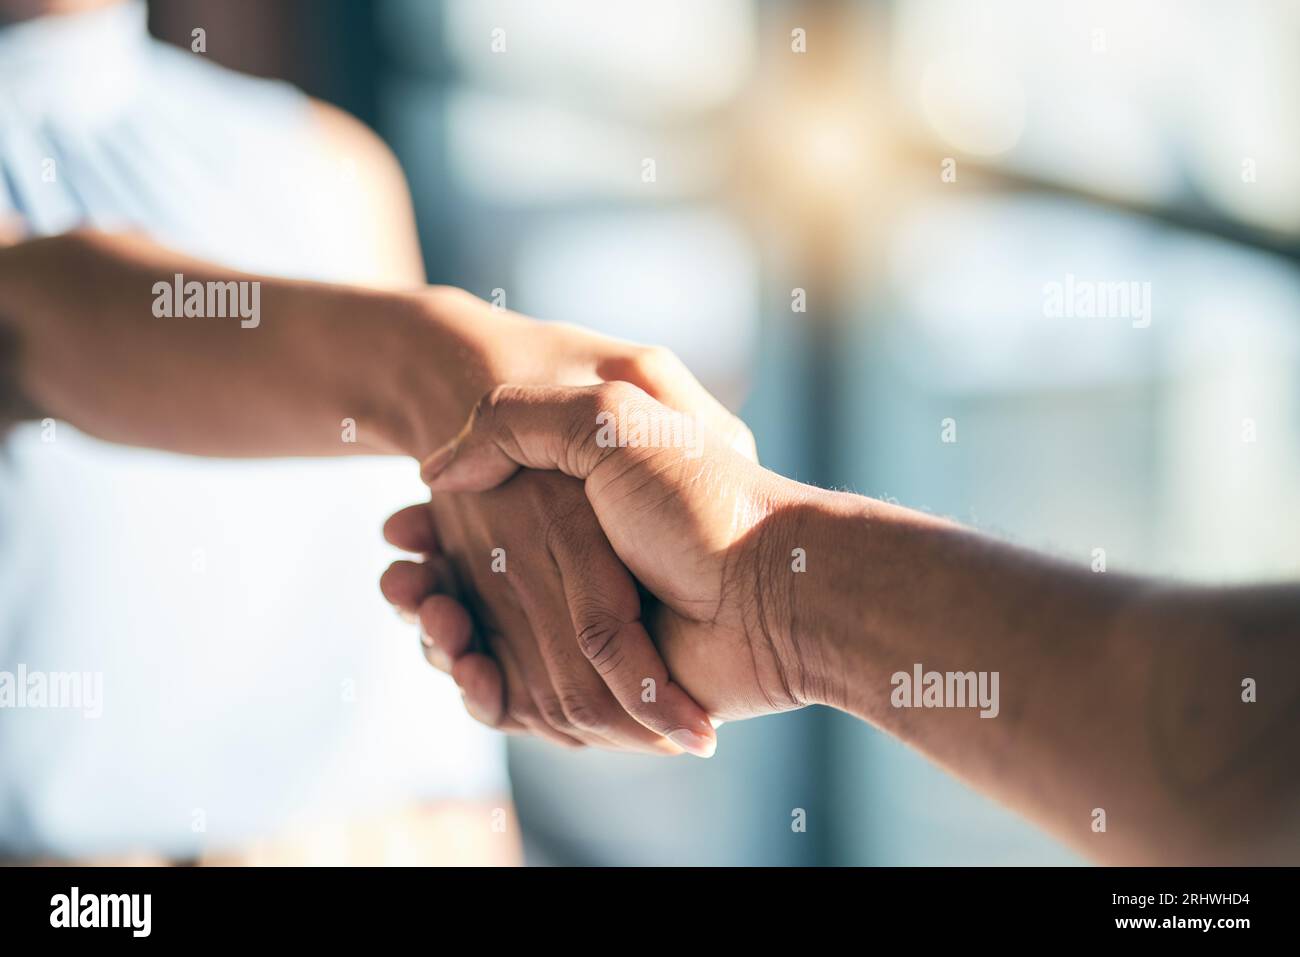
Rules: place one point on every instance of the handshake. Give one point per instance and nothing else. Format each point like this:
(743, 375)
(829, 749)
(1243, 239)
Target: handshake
(605, 563)
(597, 562)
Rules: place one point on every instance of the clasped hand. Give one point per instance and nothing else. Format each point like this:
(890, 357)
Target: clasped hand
(607, 593)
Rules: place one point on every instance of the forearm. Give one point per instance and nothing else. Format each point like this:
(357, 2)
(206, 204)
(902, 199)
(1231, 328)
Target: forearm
(1111, 693)
(88, 347)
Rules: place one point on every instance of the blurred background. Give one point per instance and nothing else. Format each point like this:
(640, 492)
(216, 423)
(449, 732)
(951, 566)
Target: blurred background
(844, 217)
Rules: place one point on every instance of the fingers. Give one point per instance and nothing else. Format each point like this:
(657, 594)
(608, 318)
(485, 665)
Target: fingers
(579, 666)
(526, 701)
(590, 710)
(605, 611)
(446, 631)
(542, 427)
(405, 584)
(412, 530)
(482, 686)
(523, 673)
(558, 429)
(665, 377)
(446, 626)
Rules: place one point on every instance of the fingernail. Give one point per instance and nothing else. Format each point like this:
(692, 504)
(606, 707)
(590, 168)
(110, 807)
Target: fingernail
(471, 710)
(696, 744)
(433, 466)
(440, 659)
(407, 616)
(425, 639)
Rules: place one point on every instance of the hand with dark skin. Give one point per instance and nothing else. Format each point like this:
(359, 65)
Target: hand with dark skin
(518, 653)
(683, 524)
(1116, 692)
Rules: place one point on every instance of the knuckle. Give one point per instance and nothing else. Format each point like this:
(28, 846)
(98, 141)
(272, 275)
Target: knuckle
(610, 395)
(488, 404)
(652, 361)
(522, 713)
(610, 404)
(552, 712)
(582, 432)
(566, 330)
(744, 438)
(743, 431)
(583, 713)
(598, 639)
(451, 297)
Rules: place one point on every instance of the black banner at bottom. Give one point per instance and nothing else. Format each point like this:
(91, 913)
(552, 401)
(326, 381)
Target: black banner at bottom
(336, 906)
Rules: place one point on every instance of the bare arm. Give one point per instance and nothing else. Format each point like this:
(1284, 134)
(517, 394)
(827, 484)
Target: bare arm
(87, 347)
(79, 339)
(1113, 693)
(404, 368)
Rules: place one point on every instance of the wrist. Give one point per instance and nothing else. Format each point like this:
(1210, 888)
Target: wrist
(784, 598)
(440, 353)
(13, 403)
(27, 269)
(827, 559)
(450, 348)
(801, 580)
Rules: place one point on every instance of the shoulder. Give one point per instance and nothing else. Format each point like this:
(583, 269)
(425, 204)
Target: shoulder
(377, 202)
(346, 137)
(368, 201)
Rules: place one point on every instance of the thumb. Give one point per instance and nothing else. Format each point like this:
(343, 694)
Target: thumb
(538, 427)
(479, 466)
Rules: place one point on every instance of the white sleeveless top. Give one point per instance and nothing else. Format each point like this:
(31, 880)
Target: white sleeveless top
(252, 675)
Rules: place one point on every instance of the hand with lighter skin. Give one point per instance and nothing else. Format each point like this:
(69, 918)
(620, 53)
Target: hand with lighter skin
(79, 341)
(1116, 692)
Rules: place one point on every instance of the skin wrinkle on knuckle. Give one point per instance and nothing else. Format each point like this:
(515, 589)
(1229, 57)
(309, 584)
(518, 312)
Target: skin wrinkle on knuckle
(583, 713)
(480, 420)
(491, 418)
(579, 435)
(598, 639)
(614, 599)
(553, 713)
